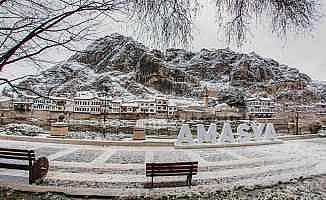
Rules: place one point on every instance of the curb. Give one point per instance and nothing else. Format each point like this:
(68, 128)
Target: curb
(88, 142)
(201, 146)
(141, 143)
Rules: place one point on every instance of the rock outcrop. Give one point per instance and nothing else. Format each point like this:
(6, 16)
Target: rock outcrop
(123, 67)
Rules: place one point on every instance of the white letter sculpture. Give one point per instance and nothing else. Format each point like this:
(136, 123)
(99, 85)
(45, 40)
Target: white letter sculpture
(270, 133)
(258, 131)
(243, 132)
(226, 135)
(185, 135)
(206, 137)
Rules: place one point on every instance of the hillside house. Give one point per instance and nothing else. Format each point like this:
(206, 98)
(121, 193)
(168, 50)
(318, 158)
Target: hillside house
(259, 107)
(161, 105)
(147, 106)
(86, 102)
(172, 110)
(23, 103)
(6, 103)
(116, 106)
(52, 104)
(129, 108)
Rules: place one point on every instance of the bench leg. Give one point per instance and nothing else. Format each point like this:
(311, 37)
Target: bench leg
(152, 181)
(189, 178)
(30, 171)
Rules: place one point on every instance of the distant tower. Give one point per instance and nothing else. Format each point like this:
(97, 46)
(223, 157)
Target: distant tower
(205, 97)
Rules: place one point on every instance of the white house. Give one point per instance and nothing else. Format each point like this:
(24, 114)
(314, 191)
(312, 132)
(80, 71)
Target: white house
(53, 104)
(260, 107)
(6, 103)
(87, 102)
(130, 107)
(223, 107)
(106, 104)
(23, 102)
(146, 105)
(172, 109)
(116, 105)
(161, 105)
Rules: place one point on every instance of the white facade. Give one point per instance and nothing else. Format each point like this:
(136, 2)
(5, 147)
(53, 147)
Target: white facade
(5, 103)
(146, 105)
(260, 107)
(172, 109)
(53, 104)
(23, 102)
(161, 105)
(116, 106)
(129, 108)
(90, 105)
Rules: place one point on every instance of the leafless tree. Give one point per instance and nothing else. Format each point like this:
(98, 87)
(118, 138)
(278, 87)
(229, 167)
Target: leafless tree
(282, 16)
(28, 28)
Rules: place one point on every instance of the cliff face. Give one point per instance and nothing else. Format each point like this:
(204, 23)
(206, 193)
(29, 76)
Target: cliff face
(123, 67)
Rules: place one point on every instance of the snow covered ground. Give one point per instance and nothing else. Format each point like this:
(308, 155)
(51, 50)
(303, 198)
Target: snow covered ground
(121, 170)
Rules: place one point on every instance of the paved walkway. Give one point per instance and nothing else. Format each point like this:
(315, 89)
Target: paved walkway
(120, 170)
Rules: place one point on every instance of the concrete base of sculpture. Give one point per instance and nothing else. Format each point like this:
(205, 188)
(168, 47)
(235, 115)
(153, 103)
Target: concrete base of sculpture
(139, 134)
(59, 129)
(223, 145)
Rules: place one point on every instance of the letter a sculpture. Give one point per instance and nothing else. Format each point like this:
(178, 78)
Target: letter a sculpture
(227, 135)
(185, 136)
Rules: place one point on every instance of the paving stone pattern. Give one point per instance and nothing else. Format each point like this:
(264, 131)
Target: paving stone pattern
(81, 155)
(250, 153)
(127, 157)
(245, 166)
(170, 156)
(14, 146)
(98, 170)
(217, 157)
(47, 151)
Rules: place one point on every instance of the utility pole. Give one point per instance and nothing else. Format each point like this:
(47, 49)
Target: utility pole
(104, 118)
(297, 121)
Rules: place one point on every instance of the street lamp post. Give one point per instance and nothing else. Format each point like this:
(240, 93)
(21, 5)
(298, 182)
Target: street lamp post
(297, 121)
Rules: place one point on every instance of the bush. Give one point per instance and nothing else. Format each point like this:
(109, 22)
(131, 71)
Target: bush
(314, 127)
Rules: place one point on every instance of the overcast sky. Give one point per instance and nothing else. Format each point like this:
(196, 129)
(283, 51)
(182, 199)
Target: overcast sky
(306, 53)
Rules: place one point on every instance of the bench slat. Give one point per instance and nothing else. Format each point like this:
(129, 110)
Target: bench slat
(17, 150)
(14, 166)
(16, 157)
(172, 174)
(15, 153)
(171, 170)
(171, 167)
(175, 163)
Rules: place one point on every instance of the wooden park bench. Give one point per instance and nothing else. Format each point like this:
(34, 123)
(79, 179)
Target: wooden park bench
(172, 169)
(24, 160)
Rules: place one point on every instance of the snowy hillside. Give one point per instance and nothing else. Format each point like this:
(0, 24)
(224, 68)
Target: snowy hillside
(123, 67)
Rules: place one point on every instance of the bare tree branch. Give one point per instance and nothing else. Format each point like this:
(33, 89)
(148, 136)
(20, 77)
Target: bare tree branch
(30, 27)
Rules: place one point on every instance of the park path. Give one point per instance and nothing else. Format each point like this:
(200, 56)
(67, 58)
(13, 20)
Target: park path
(121, 169)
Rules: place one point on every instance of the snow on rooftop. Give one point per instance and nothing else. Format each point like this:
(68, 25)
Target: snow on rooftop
(130, 104)
(222, 105)
(58, 98)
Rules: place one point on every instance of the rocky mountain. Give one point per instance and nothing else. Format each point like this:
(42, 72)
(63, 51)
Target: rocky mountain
(123, 67)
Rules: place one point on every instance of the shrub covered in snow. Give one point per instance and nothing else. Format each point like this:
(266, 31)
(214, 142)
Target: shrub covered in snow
(21, 129)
